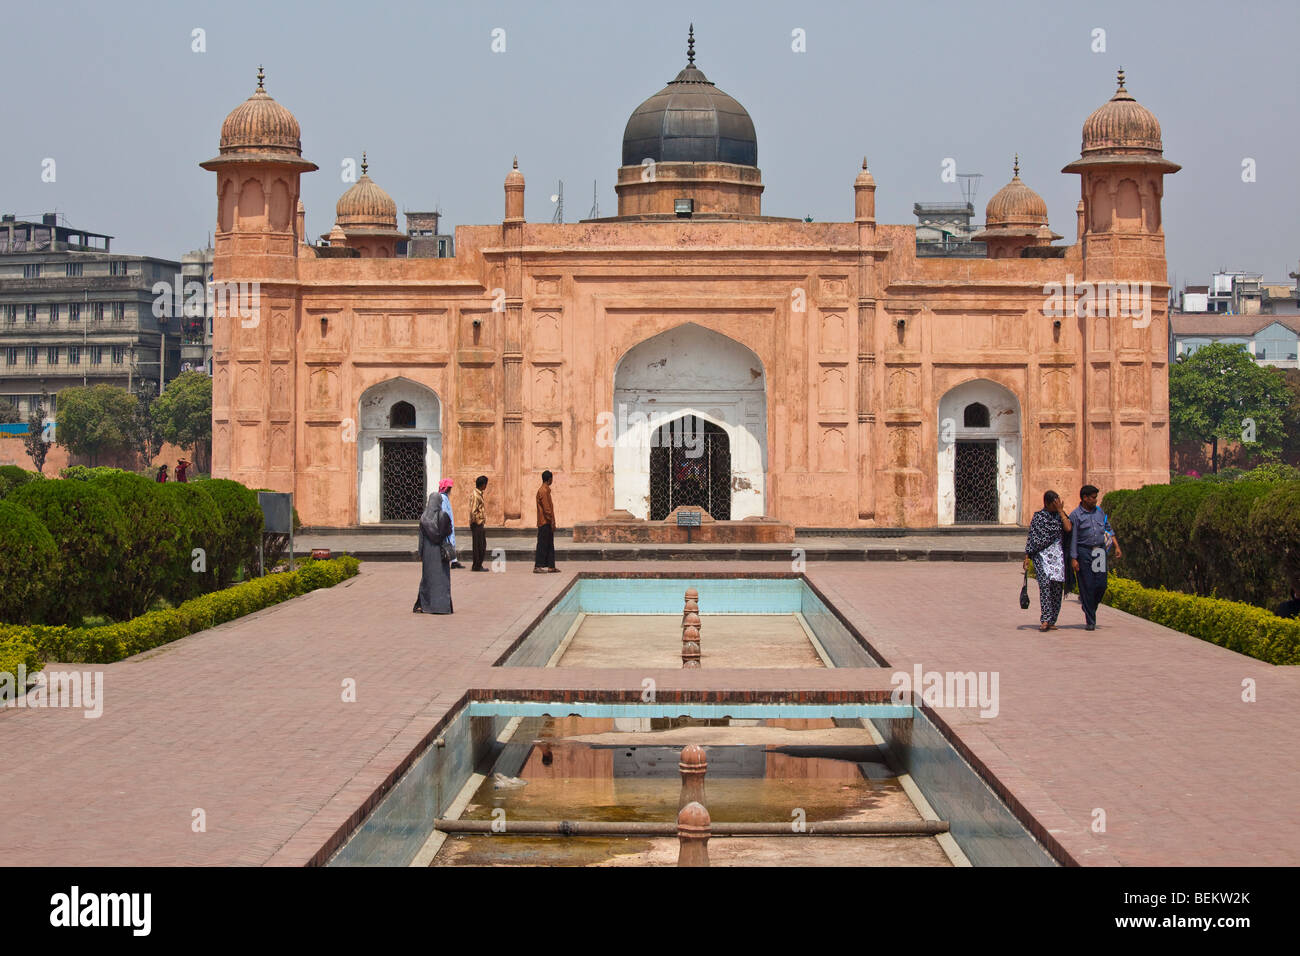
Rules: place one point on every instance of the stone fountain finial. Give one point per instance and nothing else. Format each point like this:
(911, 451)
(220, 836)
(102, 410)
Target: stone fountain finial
(690, 46)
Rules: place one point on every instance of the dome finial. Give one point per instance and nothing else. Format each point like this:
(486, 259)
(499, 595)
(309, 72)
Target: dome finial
(364, 164)
(261, 75)
(516, 163)
(1015, 168)
(1120, 77)
(690, 46)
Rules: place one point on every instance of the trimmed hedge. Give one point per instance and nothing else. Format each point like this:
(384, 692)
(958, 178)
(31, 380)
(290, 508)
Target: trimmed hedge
(201, 527)
(1239, 627)
(14, 653)
(1238, 540)
(113, 642)
(154, 529)
(88, 528)
(241, 516)
(29, 562)
(11, 476)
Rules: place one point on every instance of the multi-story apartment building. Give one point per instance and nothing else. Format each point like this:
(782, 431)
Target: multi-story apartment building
(196, 316)
(74, 313)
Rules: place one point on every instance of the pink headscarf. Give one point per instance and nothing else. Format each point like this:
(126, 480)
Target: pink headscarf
(444, 485)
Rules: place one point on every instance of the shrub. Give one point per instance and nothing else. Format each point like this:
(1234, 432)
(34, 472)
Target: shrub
(11, 476)
(113, 642)
(202, 527)
(86, 472)
(1226, 546)
(28, 565)
(88, 529)
(12, 655)
(1273, 471)
(1182, 567)
(241, 516)
(152, 559)
(1129, 519)
(1275, 526)
(1238, 627)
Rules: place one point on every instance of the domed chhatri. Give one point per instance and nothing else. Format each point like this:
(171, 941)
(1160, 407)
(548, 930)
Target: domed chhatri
(690, 121)
(1015, 204)
(1121, 123)
(1014, 219)
(366, 207)
(260, 125)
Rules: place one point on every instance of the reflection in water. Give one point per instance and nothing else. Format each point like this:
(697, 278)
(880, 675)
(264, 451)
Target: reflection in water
(837, 774)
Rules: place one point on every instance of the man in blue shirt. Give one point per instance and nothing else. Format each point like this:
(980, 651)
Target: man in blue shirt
(1088, 545)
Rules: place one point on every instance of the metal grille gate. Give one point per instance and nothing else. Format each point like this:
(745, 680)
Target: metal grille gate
(690, 464)
(975, 482)
(402, 480)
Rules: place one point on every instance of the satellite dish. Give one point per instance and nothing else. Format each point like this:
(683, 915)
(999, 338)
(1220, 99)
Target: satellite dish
(555, 198)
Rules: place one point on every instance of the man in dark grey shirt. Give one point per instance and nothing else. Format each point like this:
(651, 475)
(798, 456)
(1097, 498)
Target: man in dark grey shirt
(1092, 536)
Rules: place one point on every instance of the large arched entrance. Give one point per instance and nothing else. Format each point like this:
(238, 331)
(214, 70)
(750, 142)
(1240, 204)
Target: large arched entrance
(399, 450)
(979, 455)
(690, 426)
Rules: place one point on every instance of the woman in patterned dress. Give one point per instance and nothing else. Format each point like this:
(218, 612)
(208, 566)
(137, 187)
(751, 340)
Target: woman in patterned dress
(1046, 531)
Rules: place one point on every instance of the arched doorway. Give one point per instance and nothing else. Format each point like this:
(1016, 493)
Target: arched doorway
(687, 384)
(690, 464)
(399, 450)
(979, 462)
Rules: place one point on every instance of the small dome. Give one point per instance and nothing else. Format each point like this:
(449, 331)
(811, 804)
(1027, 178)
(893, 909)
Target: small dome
(690, 121)
(1121, 123)
(260, 124)
(1015, 204)
(514, 176)
(865, 178)
(365, 205)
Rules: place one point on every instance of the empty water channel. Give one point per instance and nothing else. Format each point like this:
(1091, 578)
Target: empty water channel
(504, 766)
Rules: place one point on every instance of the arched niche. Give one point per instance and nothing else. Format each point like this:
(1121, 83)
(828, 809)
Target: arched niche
(988, 457)
(688, 370)
(378, 408)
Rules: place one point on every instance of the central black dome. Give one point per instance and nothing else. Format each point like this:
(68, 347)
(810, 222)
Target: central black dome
(690, 121)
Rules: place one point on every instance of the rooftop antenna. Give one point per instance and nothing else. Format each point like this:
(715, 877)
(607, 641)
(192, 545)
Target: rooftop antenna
(558, 199)
(595, 203)
(970, 186)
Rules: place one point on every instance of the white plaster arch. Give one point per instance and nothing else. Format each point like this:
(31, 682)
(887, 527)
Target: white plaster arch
(1004, 427)
(688, 370)
(373, 410)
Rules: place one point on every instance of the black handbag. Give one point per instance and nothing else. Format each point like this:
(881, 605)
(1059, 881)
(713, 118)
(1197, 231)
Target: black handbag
(1024, 592)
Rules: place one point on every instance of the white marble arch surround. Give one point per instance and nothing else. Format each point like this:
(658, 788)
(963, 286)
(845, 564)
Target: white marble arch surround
(1004, 426)
(372, 417)
(688, 370)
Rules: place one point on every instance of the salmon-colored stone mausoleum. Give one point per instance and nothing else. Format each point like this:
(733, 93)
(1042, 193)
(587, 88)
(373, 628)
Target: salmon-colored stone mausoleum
(691, 351)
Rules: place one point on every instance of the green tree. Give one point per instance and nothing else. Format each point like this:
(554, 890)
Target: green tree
(183, 412)
(1220, 393)
(146, 436)
(95, 420)
(1291, 418)
(37, 440)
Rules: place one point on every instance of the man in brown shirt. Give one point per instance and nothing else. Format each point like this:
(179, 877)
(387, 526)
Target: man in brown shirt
(478, 522)
(545, 560)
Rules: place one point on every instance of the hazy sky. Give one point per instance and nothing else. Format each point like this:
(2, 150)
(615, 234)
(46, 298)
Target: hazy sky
(114, 93)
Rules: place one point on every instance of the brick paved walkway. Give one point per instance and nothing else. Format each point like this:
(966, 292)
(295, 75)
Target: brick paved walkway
(246, 721)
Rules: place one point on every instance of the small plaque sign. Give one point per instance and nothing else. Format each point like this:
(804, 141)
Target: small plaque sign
(320, 554)
(689, 519)
(277, 511)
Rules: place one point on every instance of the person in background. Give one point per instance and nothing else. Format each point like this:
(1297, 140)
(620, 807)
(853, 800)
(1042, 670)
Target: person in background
(182, 467)
(435, 577)
(1088, 552)
(1043, 547)
(444, 488)
(545, 560)
(478, 523)
(162, 474)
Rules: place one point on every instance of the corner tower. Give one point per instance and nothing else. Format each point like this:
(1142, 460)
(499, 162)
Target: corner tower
(255, 265)
(692, 142)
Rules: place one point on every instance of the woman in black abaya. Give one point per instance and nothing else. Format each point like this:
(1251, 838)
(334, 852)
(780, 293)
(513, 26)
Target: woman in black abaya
(435, 579)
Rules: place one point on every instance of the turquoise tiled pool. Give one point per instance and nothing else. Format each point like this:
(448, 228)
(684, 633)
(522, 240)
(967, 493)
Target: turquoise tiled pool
(665, 595)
